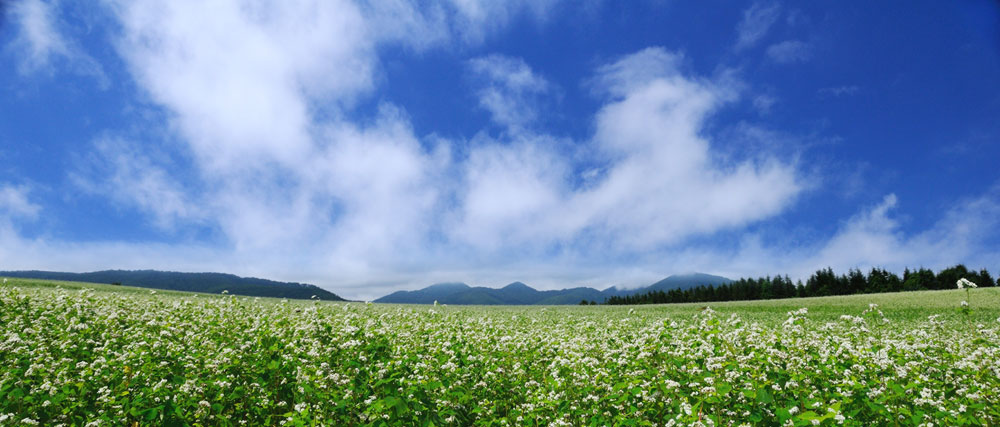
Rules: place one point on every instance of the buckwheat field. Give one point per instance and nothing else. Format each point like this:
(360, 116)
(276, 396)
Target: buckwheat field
(93, 355)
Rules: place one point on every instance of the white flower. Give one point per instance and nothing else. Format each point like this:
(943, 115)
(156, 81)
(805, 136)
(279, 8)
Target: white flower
(965, 303)
(965, 283)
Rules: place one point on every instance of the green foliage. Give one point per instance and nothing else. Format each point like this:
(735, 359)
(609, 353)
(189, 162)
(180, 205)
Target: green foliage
(118, 356)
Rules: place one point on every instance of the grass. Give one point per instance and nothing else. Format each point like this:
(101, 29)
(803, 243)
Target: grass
(901, 306)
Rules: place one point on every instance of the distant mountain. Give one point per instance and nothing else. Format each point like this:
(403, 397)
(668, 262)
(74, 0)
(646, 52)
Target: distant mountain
(426, 295)
(212, 283)
(518, 293)
(687, 281)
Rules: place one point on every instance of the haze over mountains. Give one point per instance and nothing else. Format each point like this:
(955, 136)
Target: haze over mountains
(518, 293)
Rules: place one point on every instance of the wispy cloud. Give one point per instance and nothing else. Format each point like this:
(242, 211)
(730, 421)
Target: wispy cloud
(476, 19)
(37, 36)
(120, 171)
(763, 104)
(756, 22)
(40, 42)
(510, 90)
(790, 51)
(424, 24)
(838, 91)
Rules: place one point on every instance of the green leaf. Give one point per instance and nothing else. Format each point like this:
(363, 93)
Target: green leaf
(723, 388)
(763, 396)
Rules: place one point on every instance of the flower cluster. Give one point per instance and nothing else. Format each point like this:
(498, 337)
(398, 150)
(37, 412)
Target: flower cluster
(964, 283)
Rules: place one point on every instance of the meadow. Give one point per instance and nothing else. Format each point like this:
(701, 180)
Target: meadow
(96, 355)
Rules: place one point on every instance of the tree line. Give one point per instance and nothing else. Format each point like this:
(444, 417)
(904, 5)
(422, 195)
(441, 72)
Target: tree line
(822, 283)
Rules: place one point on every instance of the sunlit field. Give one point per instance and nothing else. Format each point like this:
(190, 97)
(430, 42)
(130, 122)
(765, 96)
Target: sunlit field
(87, 354)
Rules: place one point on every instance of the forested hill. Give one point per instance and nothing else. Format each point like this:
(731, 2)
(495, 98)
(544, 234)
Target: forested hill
(212, 283)
(822, 283)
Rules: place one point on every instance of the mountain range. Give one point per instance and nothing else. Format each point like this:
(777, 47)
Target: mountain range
(518, 293)
(212, 283)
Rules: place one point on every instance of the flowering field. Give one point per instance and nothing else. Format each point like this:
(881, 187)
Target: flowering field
(100, 355)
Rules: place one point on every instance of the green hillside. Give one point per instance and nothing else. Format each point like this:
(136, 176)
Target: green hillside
(213, 283)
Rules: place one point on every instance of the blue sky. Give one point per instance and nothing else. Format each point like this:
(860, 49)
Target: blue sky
(374, 146)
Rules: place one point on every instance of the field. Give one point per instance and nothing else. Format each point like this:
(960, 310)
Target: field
(86, 354)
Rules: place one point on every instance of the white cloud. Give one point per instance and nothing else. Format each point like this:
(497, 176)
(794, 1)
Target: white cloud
(120, 171)
(387, 187)
(239, 78)
(513, 195)
(40, 42)
(790, 51)
(875, 238)
(14, 202)
(757, 20)
(15, 206)
(669, 184)
(511, 90)
(869, 237)
(663, 184)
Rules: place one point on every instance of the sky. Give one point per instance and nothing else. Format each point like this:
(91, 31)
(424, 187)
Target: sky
(368, 147)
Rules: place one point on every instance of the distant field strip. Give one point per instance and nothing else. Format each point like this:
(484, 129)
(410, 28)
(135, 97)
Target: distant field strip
(94, 355)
